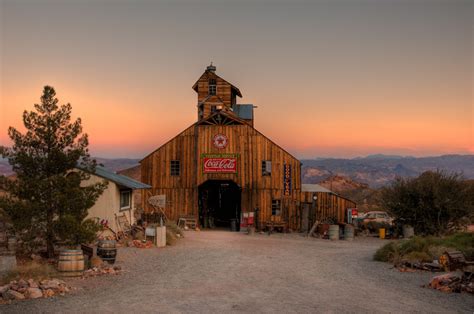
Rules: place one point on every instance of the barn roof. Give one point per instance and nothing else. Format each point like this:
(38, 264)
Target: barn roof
(315, 188)
(207, 72)
(119, 179)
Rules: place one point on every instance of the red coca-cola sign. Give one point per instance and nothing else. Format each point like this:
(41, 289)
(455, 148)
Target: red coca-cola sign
(219, 163)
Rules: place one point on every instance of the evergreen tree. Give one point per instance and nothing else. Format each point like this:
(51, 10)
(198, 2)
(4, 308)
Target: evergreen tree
(47, 200)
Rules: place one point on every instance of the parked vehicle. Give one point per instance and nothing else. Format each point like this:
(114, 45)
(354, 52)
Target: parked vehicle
(377, 216)
(374, 220)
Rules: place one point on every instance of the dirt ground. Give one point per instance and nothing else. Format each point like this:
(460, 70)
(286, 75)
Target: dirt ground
(220, 272)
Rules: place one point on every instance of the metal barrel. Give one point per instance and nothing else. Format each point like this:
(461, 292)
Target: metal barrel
(334, 232)
(408, 231)
(349, 232)
(107, 250)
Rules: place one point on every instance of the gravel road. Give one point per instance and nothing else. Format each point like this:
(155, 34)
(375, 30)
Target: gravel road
(220, 272)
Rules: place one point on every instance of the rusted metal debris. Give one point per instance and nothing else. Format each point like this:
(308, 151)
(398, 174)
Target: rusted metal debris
(453, 282)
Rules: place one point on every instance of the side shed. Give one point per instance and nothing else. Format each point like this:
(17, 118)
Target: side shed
(319, 203)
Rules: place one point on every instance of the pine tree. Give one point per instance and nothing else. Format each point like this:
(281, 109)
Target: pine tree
(47, 200)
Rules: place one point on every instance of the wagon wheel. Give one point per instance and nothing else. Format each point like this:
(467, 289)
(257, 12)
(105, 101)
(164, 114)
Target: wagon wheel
(444, 261)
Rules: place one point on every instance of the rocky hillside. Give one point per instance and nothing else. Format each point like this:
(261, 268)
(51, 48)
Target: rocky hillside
(364, 196)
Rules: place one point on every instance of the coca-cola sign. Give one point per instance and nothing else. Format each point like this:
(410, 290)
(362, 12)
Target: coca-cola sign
(219, 163)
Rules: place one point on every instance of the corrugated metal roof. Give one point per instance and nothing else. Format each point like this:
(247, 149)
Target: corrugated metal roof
(244, 111)
(119, 179)
(314, 188)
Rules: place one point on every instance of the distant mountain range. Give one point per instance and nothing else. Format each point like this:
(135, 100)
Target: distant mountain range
(380, 170)
(374, 170)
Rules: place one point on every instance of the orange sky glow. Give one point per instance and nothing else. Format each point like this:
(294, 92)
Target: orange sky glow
(329, 80)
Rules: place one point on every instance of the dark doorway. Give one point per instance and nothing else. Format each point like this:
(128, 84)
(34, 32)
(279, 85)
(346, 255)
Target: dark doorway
(219, 204)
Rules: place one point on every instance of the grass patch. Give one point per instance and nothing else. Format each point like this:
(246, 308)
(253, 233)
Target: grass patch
(30, 270)
(426, 249)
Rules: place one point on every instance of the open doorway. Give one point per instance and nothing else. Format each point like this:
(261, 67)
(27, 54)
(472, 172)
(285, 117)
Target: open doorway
(219, 204)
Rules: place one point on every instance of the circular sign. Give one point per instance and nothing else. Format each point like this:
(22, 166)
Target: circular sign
(220, 141)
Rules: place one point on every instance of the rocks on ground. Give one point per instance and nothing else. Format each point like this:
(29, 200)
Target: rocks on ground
(102, 270)
(32, 289)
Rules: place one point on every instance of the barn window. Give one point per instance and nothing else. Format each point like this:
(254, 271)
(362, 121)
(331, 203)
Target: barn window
(175, 169)
(266, 167)
(125, 199)
(276, 207)
(212, 87)
(213, 109)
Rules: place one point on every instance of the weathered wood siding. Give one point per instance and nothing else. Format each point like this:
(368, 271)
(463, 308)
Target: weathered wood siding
(252, 147)
(328, 205)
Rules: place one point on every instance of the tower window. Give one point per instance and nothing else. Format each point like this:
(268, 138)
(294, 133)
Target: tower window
(212, 87)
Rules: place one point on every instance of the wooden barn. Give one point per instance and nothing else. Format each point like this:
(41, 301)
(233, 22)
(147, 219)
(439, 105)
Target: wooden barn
(221, 166)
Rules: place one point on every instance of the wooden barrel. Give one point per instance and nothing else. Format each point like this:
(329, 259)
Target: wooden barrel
(71, 263)
(349, 232)
(107, 250)
(334, 232)
(408, 231)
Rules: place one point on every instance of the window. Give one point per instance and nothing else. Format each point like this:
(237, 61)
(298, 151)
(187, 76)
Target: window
(212, 87)
(266, 167)
(276, 207)
(175, 167)
(213, 109)
(125, 199)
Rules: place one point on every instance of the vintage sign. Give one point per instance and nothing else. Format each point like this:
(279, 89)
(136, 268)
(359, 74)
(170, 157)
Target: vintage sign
(219, 163)
(286, 180)
(220, 141)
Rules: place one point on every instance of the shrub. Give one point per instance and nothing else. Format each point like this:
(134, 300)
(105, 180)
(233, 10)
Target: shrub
(387, 252)
(433, 203)
(426, 249)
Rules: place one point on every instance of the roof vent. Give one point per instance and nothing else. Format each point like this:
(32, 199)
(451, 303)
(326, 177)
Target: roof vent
(211, 68)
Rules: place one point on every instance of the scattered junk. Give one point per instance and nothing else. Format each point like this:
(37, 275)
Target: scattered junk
(453, 282)
(187, 222)
(454, 260)
(158, 233)
(125, 229)
(276, 222)
(32, 289)
(141, 244)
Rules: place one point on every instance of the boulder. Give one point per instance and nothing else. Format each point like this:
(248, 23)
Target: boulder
(4, 289)
(52, 284)
(32, 283)
(34, 293)
(13, 295)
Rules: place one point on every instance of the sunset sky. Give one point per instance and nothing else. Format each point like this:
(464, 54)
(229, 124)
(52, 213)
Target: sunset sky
(330, 78)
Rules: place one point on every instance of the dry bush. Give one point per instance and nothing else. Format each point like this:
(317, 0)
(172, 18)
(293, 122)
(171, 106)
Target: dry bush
(30, 270)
